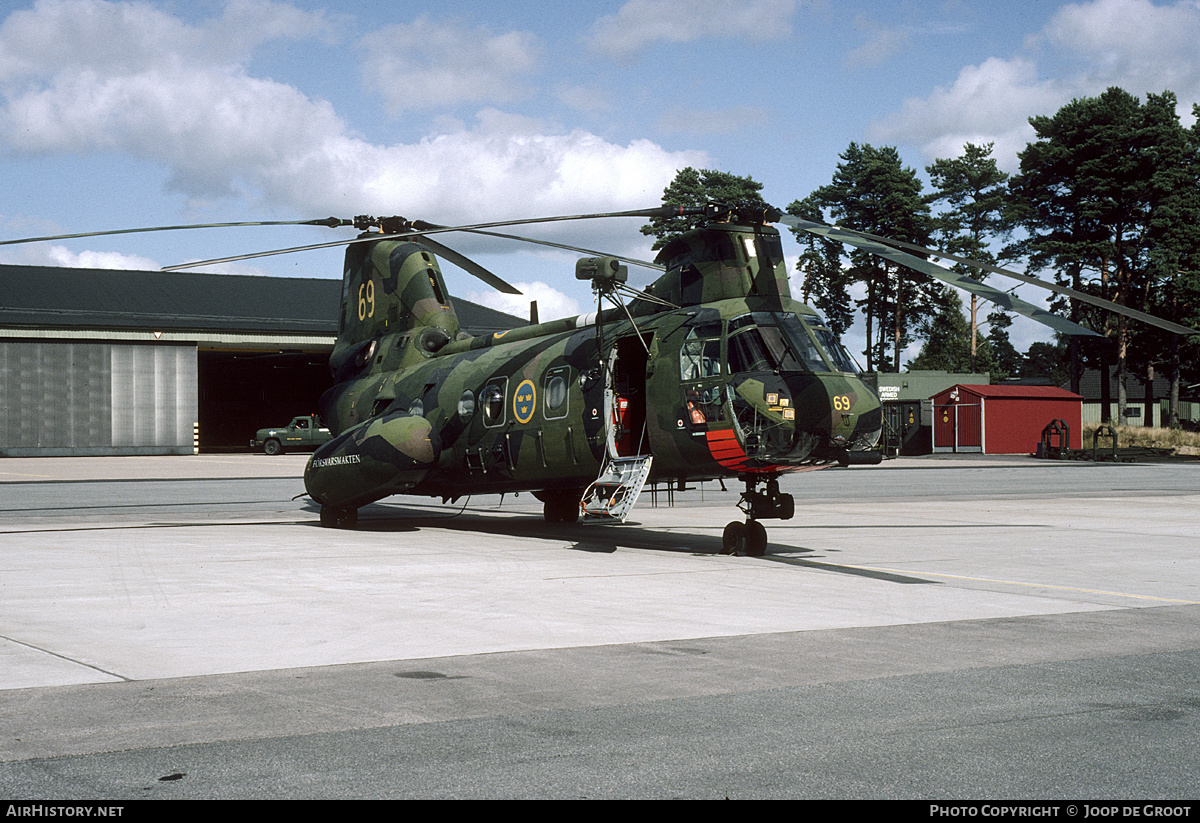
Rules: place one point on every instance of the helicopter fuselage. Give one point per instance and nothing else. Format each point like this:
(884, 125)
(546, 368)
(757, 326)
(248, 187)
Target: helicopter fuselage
(726, 389)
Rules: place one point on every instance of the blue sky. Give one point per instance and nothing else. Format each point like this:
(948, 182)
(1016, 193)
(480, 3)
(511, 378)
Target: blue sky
(120, 114)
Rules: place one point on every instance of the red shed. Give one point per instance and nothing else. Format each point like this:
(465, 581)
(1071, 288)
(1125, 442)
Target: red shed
(1002, 419)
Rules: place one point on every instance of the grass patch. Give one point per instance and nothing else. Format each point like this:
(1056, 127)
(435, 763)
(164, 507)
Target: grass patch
(1183, 442)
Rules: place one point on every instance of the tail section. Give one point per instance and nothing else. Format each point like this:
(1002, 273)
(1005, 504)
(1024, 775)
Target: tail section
(395, 309)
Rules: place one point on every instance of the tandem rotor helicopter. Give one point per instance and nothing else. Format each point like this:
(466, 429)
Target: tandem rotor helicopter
(712, 372)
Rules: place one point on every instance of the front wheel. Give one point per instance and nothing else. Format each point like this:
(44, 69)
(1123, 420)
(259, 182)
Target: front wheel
(733, 539)
(756, 539)
(273, 447)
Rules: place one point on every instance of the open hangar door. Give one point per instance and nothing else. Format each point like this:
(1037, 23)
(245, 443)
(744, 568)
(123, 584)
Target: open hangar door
(243, 391)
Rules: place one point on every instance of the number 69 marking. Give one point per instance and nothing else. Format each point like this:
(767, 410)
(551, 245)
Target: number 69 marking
(368, 300)
(842, 402)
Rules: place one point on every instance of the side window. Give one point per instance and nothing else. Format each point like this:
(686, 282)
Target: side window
(700, 373)
(705, 404)
(492, 400)
(700, 357)
(555, 392)
(466, 405)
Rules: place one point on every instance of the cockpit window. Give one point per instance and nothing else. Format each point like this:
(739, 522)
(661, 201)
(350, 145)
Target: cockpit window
(767, 341)
(773, 341)
(806, 348)
(701, 354)
(839, 358)
(749, 353)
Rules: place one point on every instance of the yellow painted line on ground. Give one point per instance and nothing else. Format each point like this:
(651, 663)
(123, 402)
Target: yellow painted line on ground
(912, 573)
(21, 474)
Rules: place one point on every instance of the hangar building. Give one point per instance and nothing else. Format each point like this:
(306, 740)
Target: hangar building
(106, 362)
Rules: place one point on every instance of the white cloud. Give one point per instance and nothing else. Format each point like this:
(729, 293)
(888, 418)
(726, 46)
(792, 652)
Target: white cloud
(988, 103)
(133, 38)
(1088, 47)
(43, 254)
(552, 303)
(46, 254)
(639, 23)
(429, 65)
(222, 132)
(1135, 44)
(484, 173)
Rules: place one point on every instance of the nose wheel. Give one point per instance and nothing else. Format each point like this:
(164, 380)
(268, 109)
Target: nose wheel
(750, 538)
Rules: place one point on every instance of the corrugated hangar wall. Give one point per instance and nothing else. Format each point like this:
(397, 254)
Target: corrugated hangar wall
(130, 367)
(96, 398)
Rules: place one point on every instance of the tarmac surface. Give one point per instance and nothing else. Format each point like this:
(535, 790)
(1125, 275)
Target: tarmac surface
(939, 627)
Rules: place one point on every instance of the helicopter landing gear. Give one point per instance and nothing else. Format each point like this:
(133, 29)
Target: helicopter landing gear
(750, 538)
(560, 506)
(337, 517)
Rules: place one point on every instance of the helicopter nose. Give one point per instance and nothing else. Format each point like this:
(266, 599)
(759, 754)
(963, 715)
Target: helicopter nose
(804, 419)
(855, 415)
(828, 417)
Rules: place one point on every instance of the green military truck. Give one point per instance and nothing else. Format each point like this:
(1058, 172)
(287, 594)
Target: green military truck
(303, 433)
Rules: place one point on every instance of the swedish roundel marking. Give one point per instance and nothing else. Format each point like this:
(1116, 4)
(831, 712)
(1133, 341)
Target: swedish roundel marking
(524, 401)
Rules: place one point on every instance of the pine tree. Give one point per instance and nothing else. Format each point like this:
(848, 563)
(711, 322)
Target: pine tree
(1108, 189)
(872, 192)
(1005, 360)
(697, 187)
(972, 188)
(947, 343)
(826, 283)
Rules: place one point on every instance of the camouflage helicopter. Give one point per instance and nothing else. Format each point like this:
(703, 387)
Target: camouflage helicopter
(712, 372)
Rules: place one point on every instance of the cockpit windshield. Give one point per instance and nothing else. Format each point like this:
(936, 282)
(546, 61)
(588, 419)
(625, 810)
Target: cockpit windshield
(839, 358)
(768, 341)
(780, 341)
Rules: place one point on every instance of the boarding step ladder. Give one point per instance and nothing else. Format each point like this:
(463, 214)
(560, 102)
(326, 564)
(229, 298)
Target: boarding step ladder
(611, 497)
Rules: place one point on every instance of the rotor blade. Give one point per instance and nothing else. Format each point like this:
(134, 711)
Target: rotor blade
(660, 211)
(255, 255)
(468, 265)
(631, 260)
(994, 295)
(330, 222)
(1083, 297)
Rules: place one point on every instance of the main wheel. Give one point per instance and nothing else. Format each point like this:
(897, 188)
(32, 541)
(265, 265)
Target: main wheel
(560, 506)
(733, 539)
(570, 511)
(561, 510)
(756, 539)
(273, 447)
